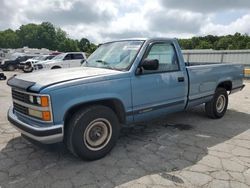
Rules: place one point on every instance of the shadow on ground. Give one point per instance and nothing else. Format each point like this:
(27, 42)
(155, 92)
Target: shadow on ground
(158, 147)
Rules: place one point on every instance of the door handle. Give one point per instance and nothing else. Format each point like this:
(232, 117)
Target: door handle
(181, 79)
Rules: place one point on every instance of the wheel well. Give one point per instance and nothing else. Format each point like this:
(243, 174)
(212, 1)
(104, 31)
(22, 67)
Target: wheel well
(115, 104)
(226, 84)
(56, 67)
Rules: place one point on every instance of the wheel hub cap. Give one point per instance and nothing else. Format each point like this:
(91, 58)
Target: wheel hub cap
(220, 103)
(97, 134)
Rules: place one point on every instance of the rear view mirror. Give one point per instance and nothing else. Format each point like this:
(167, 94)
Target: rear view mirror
(150, 64)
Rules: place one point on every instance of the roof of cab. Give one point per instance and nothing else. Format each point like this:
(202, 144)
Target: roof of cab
(143, 39)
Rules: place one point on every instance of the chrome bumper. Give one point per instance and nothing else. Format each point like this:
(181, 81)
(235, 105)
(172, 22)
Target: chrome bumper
(46, 135)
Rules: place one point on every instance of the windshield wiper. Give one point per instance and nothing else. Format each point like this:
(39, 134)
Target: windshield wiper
(103, 62)
(107, 65)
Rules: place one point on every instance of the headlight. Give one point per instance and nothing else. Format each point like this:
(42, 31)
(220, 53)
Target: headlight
(31, 99)
(34, 105)
(43, 115)
(39, 100)
(41, 109)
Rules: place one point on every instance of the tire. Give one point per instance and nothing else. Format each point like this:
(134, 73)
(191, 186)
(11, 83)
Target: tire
(28, 70)
(92, 132)
(217, 107)
(10, 68)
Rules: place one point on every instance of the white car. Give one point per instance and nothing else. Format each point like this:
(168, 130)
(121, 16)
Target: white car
(27, 66)
(64, 60)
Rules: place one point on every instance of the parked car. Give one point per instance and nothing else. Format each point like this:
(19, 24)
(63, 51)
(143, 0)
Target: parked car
(27, 66)
(64, 60)
(122, 83)
(12, 64)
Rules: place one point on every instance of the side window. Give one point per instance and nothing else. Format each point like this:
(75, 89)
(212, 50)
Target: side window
(78, 56)
(165, 53)
(67, 57)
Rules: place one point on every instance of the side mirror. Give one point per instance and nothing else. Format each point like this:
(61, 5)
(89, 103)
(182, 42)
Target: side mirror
(150, 64)
(83, 61)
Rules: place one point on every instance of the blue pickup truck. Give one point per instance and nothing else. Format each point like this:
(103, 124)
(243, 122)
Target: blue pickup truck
(123, 82)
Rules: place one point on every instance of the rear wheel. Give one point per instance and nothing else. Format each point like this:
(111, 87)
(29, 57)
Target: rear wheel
(92, 132)
(217, 107)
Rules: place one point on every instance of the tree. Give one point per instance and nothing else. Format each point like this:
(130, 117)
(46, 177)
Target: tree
(47, 36)
(84, 45)
(204, 45)
(223, 43)
(248, 45)
(9, 39)
(68, 45)
(28, 35)
(185, 43)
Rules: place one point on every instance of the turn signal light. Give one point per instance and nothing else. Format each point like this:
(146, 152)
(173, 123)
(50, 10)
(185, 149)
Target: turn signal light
(46, 116)
(44, 101)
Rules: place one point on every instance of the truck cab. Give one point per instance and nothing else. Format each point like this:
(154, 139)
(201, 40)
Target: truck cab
(122, 83)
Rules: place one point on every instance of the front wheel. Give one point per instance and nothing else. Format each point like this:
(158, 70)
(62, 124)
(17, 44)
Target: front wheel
(217, 107)
(27, 70)
(92, 132)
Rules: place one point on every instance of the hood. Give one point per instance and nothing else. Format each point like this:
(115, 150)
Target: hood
(42, 79)
(29, 60)
(44, 61)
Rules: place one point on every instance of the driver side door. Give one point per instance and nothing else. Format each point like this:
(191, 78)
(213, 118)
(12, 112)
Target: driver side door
(157, 92)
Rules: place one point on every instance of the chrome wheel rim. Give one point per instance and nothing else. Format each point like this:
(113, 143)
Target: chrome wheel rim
(97, 134)
(220, 103)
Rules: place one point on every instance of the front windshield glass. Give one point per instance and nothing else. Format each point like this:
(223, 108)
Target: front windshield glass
(59, 57)
(37, 58)
(44, 57)
(114, 55)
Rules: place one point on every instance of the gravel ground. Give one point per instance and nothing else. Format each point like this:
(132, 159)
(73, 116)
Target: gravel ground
(184, 149)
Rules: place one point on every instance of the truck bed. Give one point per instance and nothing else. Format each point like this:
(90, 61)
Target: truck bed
(204, 79)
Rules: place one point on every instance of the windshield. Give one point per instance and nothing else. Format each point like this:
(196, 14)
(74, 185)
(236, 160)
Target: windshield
(15, 56)
(115, 55)
(59, 57)
(42, 57)
(37, 58)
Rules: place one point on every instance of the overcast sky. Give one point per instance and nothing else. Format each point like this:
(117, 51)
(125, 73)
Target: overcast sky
(102, 20)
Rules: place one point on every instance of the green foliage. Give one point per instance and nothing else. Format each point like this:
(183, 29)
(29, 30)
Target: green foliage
(43, 35)
(9, 39)
(228, 42)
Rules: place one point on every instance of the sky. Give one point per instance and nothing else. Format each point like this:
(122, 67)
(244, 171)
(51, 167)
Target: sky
(104, 20)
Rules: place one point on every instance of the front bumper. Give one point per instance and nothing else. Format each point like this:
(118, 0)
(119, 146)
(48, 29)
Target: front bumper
(46, 135)
(21, 66)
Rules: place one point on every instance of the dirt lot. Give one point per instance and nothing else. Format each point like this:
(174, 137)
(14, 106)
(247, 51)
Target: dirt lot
(185, 149)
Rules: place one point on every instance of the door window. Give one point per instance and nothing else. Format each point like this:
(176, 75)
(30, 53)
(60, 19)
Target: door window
(78, 56)
(68, 57)
(165, 54)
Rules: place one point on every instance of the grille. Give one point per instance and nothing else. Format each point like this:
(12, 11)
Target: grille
(20, 108)
(20, 96)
